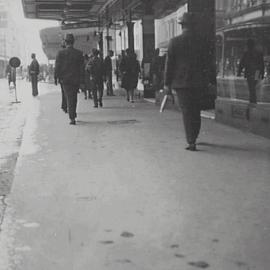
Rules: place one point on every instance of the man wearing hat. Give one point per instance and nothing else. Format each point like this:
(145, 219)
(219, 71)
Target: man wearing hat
(33, 74)
(69, 69)
(95, 68)
(187, 72)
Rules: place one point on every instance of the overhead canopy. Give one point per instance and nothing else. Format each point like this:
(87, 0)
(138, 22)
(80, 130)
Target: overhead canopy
(85, 40)
(62, 9)
(91, 11)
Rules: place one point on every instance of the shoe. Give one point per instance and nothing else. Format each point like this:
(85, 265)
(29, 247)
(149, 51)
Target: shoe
(72, 122)
(191, 147)
(85, 97)
(100, 104)
(95, 106)
(132, 101)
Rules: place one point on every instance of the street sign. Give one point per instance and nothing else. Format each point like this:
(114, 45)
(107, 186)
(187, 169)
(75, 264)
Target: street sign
(15, 62)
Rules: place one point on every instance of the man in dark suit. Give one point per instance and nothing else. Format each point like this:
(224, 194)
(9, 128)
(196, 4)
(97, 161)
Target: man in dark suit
(188, 72)
(33, 74)
(64, 100)
(69, 69)
(253, 63)
(96, 70)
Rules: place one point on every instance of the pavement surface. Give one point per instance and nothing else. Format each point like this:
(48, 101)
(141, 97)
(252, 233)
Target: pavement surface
(118, 191)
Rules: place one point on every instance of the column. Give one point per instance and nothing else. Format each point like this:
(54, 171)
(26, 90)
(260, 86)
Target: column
(148, 28)
(108, 39)
(130, 27)
(100, 43)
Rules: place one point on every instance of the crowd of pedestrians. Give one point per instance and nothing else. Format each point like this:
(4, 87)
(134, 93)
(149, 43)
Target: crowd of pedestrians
(182, 72)
(89, 73)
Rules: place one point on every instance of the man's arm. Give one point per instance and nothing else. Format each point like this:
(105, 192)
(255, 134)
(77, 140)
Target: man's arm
(81, 60)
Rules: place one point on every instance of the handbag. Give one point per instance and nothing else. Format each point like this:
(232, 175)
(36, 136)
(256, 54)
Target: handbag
(208, 98)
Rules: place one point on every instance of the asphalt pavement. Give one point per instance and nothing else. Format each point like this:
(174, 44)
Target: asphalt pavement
(119, 191)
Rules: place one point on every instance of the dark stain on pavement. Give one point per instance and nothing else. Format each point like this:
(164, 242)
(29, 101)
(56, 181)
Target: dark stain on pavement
(240, 264)
(174, 246)
(108, 242)
(180, 256)
(215, 240)
(199, 264)
(86, 198)
(127, 234)
(123, 261)
(108, 231)
(123, 122)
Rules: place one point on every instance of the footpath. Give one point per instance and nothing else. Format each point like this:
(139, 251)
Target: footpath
(118, 191)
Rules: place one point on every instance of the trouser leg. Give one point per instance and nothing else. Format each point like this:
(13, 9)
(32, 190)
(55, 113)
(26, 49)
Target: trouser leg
(64, 100)
(132, 94)
(109, 85)
(34, 82)
(128, 92)
(100, 92)
(252, 90)
(94, 92)
(191, 115)
(71, 95)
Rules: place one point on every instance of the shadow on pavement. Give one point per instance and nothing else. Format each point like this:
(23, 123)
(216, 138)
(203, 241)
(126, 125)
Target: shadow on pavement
(247, 148)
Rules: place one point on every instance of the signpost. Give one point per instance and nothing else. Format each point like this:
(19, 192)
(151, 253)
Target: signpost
(15, 62)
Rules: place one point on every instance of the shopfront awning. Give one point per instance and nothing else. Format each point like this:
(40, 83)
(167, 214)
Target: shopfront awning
(250, 27)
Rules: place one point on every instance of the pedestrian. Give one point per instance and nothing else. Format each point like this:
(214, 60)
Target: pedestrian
(188, 71)
(96, 71)
(108, 72)
(11, 75)
(157, 71)
(253, 63)
(33, 74)
(69, 70)
(56, 80)
(130, 69)
(117, 71)
(87, 82)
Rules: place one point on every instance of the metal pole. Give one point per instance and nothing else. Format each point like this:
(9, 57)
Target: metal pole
(15, 89)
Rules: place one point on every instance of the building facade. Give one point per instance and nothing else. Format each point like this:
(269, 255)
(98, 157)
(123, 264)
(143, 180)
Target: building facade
(243, 20)
(9, 44)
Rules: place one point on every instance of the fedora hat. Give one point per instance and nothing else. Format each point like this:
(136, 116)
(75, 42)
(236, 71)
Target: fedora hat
(187, 18)
(69, 37)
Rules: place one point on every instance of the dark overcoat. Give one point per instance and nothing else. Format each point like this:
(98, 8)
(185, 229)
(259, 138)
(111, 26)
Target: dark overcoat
(252, 61)
(130, 69)
(69, 66)
(187, 64)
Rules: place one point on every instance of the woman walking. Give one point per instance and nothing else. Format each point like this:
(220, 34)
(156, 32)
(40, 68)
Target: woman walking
(130, 69)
